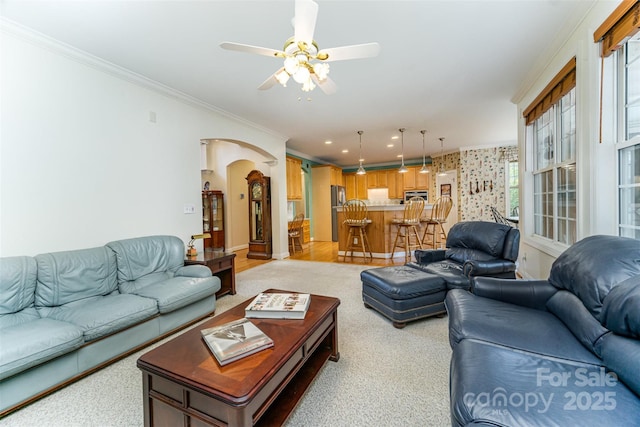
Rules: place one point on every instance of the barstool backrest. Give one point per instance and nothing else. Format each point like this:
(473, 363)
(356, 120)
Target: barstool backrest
(441, 209)
(413, 210)
(355, 212)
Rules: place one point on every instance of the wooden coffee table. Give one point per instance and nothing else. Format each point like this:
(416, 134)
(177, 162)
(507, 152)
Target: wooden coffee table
(185, 386)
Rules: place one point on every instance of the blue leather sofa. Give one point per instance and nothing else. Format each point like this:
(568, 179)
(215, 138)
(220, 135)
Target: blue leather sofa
(66, 314)
(558, 352)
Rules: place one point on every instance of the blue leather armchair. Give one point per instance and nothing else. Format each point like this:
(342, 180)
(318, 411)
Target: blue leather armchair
(474, 248)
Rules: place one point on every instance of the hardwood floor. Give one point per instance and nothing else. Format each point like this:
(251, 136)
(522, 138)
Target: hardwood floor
(314, 251)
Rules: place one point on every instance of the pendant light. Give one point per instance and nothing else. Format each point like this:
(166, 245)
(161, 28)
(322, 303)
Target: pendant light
(361, 170)
(403, 168)
(442, 172)
(424, 168)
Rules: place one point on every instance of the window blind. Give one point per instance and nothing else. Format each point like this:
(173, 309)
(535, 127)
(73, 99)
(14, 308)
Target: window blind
(561, 84)
(624, 22)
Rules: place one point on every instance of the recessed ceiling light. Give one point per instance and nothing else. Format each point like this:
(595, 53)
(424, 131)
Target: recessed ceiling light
(361, 160)
(399, 156)
(395, 137)
(345, 151)
(389, 145)
(328, 142)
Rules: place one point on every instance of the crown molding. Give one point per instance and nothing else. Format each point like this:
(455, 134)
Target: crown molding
(41, 40)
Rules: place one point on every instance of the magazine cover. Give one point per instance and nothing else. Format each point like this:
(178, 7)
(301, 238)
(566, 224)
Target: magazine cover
(279, 306)
(235, 340)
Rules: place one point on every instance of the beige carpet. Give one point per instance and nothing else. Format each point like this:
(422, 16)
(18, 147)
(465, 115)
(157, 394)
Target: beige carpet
(385, 376)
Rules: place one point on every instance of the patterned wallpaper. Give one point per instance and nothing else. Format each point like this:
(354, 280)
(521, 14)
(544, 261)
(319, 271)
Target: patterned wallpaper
(482, 183)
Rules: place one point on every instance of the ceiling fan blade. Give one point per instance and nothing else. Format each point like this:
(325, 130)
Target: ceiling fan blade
(265, 51)
(305, 21)
(366, 50)
(271, 81)
(328, 86)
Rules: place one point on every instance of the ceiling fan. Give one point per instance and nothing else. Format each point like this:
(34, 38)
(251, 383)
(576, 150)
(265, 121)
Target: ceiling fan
(303, 60)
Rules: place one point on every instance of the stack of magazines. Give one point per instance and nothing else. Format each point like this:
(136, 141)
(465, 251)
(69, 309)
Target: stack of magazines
(235, 340)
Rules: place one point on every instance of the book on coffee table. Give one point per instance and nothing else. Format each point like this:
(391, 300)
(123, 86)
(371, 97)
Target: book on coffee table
(235, 340)
(278, 306)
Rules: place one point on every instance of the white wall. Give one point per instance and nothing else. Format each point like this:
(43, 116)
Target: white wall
(596, 177)
(81, 162)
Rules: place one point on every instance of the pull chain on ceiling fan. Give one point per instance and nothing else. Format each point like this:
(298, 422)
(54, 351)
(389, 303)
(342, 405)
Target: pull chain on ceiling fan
(303, 60)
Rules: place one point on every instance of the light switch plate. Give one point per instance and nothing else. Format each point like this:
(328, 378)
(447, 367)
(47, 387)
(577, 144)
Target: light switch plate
(189, 208)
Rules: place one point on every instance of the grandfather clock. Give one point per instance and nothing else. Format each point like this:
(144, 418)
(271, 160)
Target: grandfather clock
(259, 215)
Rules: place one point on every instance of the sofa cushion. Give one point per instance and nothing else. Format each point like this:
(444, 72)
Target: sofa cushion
(514, 326)
(450, 271)
(593, 266)
(621, 308)
(502, 387)
(142, 256)
(17, 283)
(31, 343)
(103, 315)
(69, 276)
(179, 292)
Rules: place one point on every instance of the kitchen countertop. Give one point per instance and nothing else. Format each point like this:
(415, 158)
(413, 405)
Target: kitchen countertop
(378, 208)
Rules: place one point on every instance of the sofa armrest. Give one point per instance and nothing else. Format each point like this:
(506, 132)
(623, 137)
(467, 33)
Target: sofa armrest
(429, 256)
(526, 293)
(474, 267)
(194, 271)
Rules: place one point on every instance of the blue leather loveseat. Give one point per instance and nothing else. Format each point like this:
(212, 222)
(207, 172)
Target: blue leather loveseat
(558, 352)
(65, 314)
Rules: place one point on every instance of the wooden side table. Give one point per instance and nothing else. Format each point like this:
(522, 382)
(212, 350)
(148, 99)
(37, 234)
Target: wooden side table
(222, 265)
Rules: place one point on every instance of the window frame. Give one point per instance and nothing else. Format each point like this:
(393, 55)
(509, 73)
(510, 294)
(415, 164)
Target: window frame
(546, 196)
(622, 143)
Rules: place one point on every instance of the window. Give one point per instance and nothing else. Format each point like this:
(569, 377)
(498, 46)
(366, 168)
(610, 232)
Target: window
(628, 82)
(551, 135)
(513, 199)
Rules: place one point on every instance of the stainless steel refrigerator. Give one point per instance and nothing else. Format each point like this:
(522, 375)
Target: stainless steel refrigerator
(338, 197)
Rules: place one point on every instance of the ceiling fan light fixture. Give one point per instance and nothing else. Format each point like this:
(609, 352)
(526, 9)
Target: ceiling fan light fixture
(308, 86)
(321, 70)
(290, 65)
(302, 75)
(283, 78)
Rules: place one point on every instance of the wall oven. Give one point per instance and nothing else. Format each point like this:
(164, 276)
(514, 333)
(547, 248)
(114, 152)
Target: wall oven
(420, 193)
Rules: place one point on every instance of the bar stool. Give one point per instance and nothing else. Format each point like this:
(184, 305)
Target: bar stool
(408, 227)
(355, 217)
(434, 228)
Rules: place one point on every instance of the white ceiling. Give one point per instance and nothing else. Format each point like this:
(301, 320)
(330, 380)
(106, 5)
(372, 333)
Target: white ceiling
(450, 67)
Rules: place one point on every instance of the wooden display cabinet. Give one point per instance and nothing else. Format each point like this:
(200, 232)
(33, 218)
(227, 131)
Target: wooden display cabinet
(213, 219)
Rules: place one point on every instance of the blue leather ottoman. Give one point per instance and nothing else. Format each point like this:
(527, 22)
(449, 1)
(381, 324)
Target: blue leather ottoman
(403, 293)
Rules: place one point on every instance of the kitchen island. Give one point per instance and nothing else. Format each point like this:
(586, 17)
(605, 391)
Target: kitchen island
(381, 232)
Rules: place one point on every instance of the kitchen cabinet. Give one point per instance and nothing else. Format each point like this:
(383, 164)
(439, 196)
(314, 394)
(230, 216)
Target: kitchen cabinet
(213, 219)
(335, 175)
(410, 178)
(294, 179)
(422, 180)
(355, 186)
(377, 179)
(395, 183)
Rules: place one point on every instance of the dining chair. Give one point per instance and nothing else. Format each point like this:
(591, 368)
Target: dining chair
(295, 232)
(407, 236)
